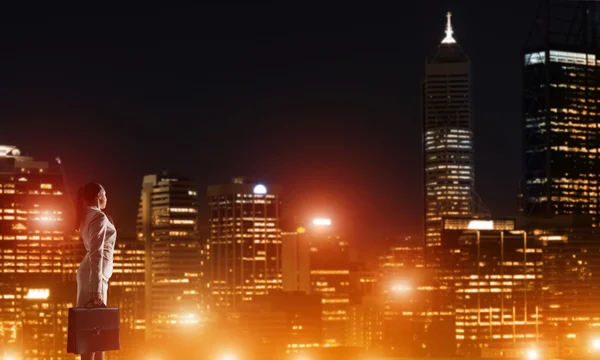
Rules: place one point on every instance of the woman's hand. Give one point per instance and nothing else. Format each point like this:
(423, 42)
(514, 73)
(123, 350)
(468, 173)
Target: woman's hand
(96, 298)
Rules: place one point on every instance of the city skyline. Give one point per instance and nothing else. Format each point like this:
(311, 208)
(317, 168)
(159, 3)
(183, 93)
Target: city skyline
(316, 183)
(374, 93)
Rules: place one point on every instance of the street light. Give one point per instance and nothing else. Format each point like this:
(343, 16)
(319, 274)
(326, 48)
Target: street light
(188, 319)
(322, 222)
(596, 344)
(301, 357)
(532, 354)
(400, 288)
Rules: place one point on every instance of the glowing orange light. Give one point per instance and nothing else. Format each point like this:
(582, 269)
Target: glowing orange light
(481, 225)
(401, 288)
(188, 319)
(301, 230)
(532, 354)
(38, 294)
(322, 222)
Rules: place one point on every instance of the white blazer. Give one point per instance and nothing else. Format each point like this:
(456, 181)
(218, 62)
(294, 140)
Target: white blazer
(99, 236)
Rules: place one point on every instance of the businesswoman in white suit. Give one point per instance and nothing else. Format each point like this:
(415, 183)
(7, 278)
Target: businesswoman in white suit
(99, 235)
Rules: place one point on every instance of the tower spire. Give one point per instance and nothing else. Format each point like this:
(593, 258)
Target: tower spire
(449, 39)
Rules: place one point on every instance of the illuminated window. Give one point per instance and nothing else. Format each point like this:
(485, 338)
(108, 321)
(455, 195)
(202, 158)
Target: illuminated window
(182, 222)
(183, 210)
(46, 186)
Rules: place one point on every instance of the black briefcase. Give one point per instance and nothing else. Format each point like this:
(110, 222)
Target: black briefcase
(93, 329)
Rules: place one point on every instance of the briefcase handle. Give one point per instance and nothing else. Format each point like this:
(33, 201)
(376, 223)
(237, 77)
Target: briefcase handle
(102, 305)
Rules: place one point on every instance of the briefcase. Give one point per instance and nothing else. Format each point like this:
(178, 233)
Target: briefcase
(93, 329)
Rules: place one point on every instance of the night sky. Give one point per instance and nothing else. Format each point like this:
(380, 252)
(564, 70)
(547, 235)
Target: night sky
(323, 99)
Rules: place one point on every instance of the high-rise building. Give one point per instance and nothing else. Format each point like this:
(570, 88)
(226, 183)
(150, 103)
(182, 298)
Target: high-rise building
(561, 128)
(414, 320)
(318, 254)
(282, 322)
(295, 260)
(127, 293)
(561, 113)
(447, 138)
(559, 190)
(363, 312)
(571, 256)
(330, 276)
(316, 260)
(495, 275)
(167, 224)
(245, 242)
(38, 259)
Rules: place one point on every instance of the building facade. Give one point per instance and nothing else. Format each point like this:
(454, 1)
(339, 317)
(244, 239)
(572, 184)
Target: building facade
(282, 322)
(316, 260)
(571, 283)
(330, 277)
(561, 132)
(127, 293)
(38, 258)
(245, 242)
(495, 274)
(415, 318)
(167, 225)
(447, 138)
(295, 262)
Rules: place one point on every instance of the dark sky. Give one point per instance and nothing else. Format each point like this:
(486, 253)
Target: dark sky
(323, 99)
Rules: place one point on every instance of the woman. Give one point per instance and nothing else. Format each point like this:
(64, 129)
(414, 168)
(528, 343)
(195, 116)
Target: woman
(99, 235)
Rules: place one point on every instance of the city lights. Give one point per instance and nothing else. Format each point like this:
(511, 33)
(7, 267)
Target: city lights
(322, 222)
(449, 39)
(229, 357)
(532, 354)
(400, 288)
(188, 319)
(302, 357)
(481, 225)
(37, 294)
(418, 265)
(596, 344)
(260, 189)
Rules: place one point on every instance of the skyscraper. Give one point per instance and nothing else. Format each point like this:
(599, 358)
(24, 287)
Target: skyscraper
(295, 260)
(447, 137)
(245, 241)
(37, 258)
(127, 293)
(561, 113)
(316, 260)
(497, 285)
(167, 223)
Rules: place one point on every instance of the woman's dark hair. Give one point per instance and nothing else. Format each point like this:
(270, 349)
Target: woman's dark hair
(85, 196)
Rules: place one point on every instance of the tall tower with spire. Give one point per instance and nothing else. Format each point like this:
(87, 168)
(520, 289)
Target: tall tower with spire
(449, 177)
